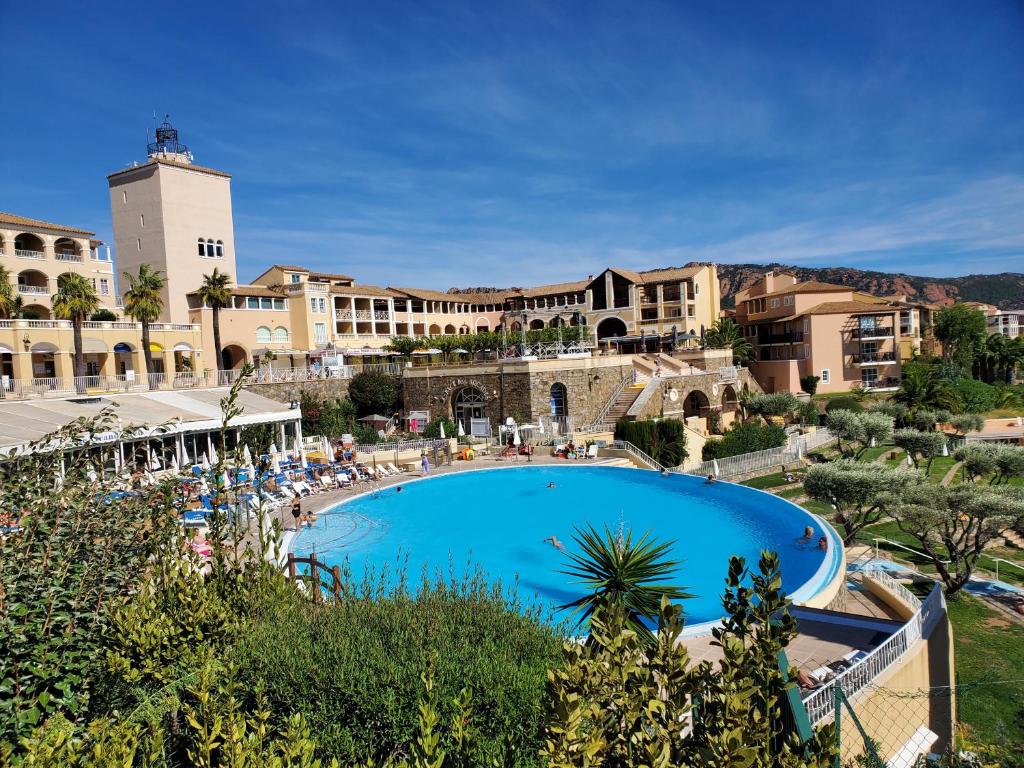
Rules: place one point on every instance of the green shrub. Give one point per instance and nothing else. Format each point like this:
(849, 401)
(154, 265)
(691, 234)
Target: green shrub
(353, 668)
(809, 384)
(772, 404)
(807, 414)
(373, 392)
(102, 316)
(663, 440)
(978, 396)
(433, 429)
(844, 404)
(744, 438)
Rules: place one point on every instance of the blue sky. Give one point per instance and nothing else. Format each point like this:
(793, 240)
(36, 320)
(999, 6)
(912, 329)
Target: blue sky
(473, 143)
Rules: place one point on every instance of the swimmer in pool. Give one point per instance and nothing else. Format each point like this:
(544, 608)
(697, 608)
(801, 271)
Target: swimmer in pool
(823, 544)
(399, 490)
(551, 485)
(710, 480)
(554, 542)
(808, 533)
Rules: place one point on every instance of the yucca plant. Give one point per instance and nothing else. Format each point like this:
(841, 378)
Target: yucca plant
(616, 570)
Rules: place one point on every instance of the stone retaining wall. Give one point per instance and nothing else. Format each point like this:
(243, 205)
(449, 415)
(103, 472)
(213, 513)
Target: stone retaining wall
(286, 391)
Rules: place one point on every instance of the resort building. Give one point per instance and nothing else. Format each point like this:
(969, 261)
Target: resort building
(175, 216)
(36, 348)
(1008, 322)
(831, 331)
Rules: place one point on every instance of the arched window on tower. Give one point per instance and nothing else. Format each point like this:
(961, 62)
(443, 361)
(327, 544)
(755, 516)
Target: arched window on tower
(202, 247)
(209, 249)
(263, 334)
(220, 248)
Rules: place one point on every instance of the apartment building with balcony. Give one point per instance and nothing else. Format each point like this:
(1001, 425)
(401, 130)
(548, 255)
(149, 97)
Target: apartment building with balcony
(37, 349)
(1007, 322)
(845, 337)
(35, 253)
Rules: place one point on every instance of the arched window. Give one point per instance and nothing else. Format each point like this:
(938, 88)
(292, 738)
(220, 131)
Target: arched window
(209, 248)
(468, 404)
(263, 334)
(559, 408)
(280, 333)
(220, 248)
(202, 247)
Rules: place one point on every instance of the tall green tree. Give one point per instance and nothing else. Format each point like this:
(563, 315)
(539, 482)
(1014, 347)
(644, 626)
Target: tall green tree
(961, 329)
(75, 300)
(954, 524)
(922, 386)
(7, 295)
(725, 334)
(402, 345)
(143, 303)
(630, 575)
(215, 292)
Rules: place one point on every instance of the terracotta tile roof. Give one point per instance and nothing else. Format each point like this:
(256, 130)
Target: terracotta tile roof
(330, 276)
(842, 308)
(556, 288)
(808, 286)
(671, 273)
(26, 223)
(492, 297)
(172, 164)
(361, 290)
(287, 268)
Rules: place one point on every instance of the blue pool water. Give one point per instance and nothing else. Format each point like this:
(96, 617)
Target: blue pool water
(498, 519)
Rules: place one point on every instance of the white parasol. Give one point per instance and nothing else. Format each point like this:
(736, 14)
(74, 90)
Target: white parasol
(462, 430)
(273, 448)
(515, 437)
(298, 450)
(214, 458)
(174, 465)
(443, 436)
(203, 462)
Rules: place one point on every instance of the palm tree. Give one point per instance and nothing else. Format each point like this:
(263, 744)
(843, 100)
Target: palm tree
(724, 333)
(215, 292)
(618, 571)
(923, 387)
(143, 303)
(75, 300)
(7, 297)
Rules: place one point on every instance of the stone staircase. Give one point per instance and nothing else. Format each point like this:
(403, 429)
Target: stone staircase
(624, 401)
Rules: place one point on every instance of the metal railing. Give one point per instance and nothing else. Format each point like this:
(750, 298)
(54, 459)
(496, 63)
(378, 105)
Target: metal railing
(998, 560)
(598, 423)
(543, 351)
(404, 445)
(62, 256)
(21, 253)
(756, 461)
(878, 332)
(33, 289)
(820, 703)
(781, 338)
(632, 450)
(905, 548)
(874, 357)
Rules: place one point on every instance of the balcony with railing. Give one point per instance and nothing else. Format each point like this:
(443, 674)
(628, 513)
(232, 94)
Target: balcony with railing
(874, 358)
(22, 253)
(794, 337)
(67, 256)
(881, 331)
(33, 290)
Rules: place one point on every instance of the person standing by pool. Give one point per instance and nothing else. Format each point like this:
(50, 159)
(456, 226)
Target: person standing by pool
(425, 462)
(297, 511)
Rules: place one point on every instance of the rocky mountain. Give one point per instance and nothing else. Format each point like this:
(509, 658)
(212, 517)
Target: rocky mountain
(1005, 290)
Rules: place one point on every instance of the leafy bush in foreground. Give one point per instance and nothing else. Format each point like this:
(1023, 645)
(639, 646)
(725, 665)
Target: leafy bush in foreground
(353, 669)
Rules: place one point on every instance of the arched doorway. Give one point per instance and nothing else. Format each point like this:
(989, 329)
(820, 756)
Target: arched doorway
(233, 356)
(468, 403)
(482, 326)
(697, 404)
(449, 330)
(729, 399)
(536, 325)
(556, 322)
(434, 330)
(610, 328)
(28, 246)
(559, 401)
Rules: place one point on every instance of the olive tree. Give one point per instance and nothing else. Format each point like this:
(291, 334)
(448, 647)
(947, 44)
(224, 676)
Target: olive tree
(859, 429)
(920, 446)
(926, 420)
(898, 411)
(856, 490)
(773, 404)
(1009, 460)
(976, 460)
(953, 525)
(967, 422)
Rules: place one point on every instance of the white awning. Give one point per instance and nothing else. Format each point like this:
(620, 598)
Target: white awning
(93, 346)
(5, 350)
(181, 346)
(44, 346)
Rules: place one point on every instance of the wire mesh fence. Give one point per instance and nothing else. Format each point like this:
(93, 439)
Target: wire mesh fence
(882, 727)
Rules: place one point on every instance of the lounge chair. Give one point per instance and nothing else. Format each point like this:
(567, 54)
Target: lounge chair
(592, 451)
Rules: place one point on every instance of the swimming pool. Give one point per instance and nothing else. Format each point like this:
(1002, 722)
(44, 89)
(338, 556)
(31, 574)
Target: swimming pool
(498, 519)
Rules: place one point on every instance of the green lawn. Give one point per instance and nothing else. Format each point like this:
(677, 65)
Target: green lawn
(989, 650)
(870, 454)
(940, 466)
(767, 481)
